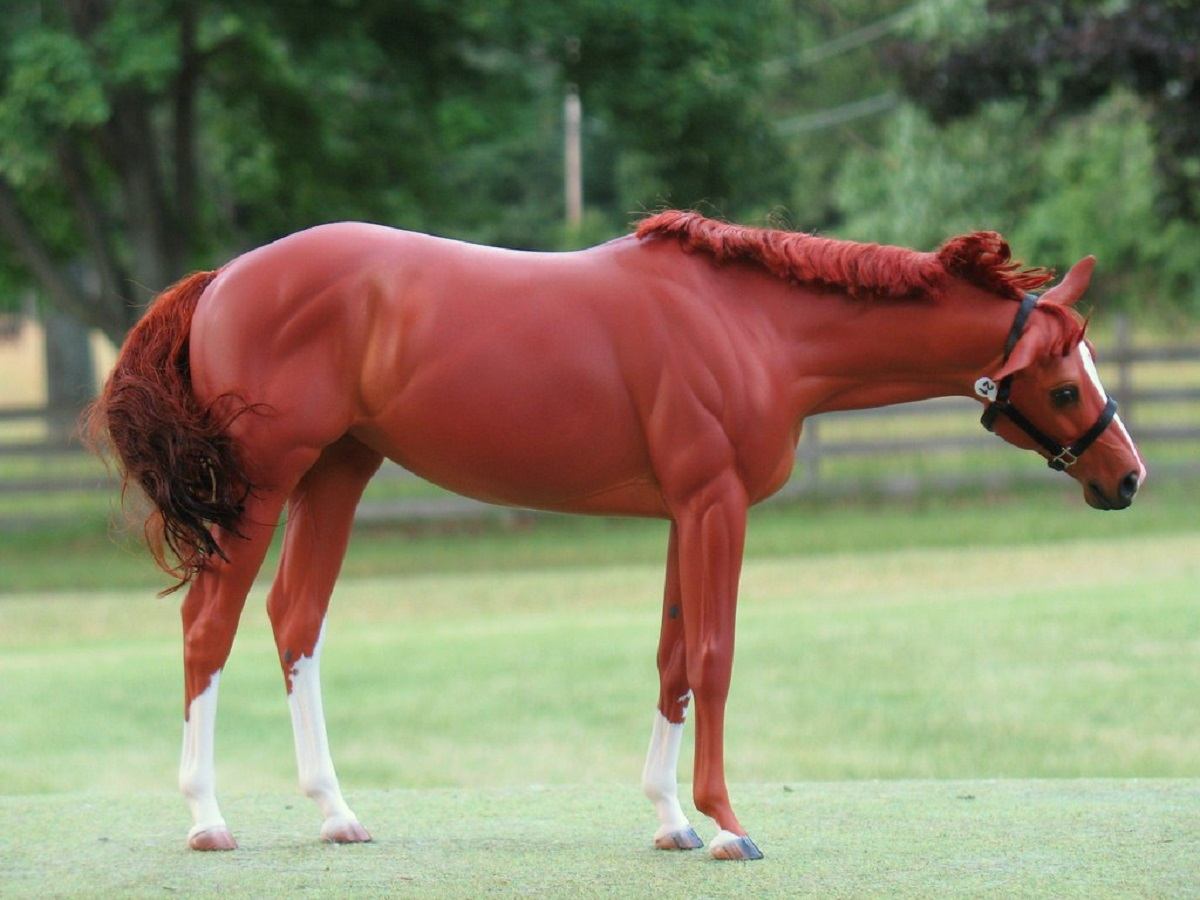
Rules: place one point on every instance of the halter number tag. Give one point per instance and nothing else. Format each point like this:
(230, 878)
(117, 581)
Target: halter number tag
(986, 388)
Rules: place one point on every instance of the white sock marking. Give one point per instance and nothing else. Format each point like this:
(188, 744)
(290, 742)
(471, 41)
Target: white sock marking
(197, 776)
(317, 777)
(659, 774)
(722, 839)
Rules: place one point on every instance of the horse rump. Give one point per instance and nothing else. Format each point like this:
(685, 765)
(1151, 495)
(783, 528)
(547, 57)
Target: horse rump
(165, 442)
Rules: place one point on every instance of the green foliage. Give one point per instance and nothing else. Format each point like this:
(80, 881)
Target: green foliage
(925, 184)
(1086, 184)
(193, 138)
(1117, 176)
(441, 116)
(51, 84)
(1098, 194)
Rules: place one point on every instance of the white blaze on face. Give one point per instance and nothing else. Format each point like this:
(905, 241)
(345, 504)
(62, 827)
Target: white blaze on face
(1089, 366)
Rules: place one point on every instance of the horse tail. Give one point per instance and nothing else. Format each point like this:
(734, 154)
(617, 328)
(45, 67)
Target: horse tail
(166, 442)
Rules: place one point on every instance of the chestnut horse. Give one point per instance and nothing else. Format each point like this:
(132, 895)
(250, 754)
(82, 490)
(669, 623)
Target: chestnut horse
(665, 373)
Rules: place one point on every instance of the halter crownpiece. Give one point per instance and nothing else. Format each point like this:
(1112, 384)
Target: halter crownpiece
(1061, 457)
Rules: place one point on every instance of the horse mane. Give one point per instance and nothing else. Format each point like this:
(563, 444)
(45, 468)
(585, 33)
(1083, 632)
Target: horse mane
(982, 258)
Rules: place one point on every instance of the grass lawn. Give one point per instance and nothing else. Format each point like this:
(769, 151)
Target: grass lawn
(951, 640)
(1007, 839)
(84, 557)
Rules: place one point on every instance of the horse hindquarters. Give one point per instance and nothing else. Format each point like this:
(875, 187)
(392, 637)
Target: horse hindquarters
(320, 516)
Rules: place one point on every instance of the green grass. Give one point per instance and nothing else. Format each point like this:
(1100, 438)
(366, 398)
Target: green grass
(949, 639)
(1064, 660)
(84, 557)
(896, 839)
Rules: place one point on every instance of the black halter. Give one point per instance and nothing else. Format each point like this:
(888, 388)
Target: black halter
(1061, 457)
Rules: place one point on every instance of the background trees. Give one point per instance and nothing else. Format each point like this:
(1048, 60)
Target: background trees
(140, 139)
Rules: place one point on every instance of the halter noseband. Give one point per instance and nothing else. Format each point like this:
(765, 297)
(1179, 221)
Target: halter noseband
(1061, 457)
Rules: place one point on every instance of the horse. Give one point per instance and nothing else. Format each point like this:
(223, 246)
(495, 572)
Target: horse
(666, 373)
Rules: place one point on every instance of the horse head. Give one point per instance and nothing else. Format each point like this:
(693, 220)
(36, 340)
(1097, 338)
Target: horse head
(1047, 396)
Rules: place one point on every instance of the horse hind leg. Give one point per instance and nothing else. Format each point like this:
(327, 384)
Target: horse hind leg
(320, 515)
(210, 615)
(659, 776)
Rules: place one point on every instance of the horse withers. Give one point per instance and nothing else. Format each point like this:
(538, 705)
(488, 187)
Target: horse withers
(666, 373)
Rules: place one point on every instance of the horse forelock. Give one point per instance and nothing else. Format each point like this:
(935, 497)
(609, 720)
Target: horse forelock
(1069, 326)
(982, 258)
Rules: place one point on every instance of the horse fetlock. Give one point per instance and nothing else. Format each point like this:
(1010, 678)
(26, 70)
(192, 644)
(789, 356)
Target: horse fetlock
(196, 786)
(714, 803)
(658, 789)
(320, 786)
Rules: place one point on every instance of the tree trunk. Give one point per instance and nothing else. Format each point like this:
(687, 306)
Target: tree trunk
(70, 370)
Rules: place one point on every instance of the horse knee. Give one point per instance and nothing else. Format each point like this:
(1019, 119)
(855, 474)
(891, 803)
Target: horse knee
(315, 785)
(206, 644)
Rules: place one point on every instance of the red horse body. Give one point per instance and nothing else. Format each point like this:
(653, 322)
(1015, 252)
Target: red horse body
(662, 374)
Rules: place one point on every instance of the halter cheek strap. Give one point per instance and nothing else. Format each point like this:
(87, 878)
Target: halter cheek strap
(1061, 457)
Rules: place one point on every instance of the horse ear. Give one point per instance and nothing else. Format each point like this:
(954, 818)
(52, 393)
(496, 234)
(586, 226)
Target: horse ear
(1068, 291)
(1032, 346)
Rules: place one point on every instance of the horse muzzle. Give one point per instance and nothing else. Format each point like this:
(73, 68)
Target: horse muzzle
(1121, 498)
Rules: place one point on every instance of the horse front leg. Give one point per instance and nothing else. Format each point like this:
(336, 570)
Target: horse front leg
(659, 778)
(210, 614)
(712, 530)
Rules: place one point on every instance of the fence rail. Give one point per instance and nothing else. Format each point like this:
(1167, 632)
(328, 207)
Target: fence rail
(41, 458)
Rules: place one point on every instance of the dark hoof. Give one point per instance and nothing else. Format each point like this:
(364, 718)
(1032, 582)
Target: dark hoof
(684, 839)
(731, 846)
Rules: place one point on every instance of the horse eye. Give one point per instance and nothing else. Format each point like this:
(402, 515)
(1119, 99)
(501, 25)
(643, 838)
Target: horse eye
(1064, 396)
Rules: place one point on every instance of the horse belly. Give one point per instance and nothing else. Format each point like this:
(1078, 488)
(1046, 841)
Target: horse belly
(505, 429)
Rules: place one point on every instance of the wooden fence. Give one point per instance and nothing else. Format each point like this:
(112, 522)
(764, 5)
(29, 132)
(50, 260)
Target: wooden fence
(930, 446)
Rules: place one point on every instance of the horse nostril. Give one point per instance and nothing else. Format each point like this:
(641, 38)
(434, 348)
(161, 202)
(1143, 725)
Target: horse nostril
(1129, 486)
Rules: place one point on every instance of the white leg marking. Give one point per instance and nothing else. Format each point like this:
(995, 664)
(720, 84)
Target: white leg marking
(722, 839)
(658, 775)
(197, 777)
(1089, 366)
(317, 777)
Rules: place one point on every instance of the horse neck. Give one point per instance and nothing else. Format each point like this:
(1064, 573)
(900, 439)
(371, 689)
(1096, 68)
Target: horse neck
(853, 353)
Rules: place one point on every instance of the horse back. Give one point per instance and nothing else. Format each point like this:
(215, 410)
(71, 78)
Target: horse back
(509, 376)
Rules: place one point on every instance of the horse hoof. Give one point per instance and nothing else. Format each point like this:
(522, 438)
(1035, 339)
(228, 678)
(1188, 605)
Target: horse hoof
(344, 831)
(683, 839)
(727, 845)
(215, 837)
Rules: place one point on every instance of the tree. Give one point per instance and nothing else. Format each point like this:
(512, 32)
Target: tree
(1065, 56)
(139, 139)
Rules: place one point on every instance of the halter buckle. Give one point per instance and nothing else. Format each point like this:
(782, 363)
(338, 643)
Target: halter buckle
(1064, 460)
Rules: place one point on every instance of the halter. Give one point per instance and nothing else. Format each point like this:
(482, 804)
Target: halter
(1061, 457)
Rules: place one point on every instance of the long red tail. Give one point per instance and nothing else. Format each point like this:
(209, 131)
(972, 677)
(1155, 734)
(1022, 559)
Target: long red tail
(175, 449)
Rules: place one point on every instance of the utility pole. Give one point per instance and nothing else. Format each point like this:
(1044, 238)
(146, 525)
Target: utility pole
(573, 157)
